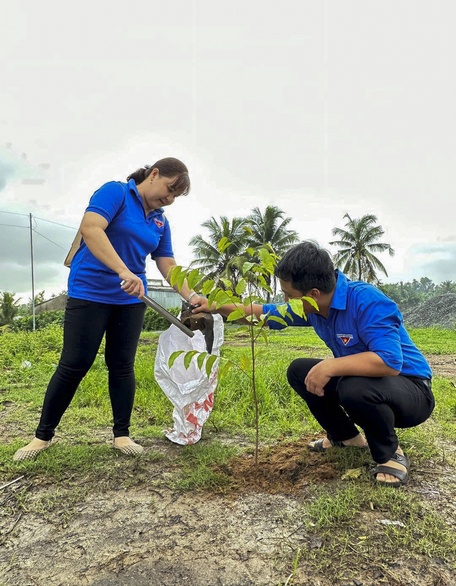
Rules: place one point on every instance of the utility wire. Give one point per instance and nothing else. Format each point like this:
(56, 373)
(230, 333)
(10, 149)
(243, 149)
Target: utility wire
(56, 223)
(13, 226)
(37, 218)
(13, 213)
(48, 239)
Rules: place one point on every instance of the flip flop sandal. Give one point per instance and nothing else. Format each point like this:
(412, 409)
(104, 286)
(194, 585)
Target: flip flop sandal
(24, 454)
(317, 446)
(401, 475)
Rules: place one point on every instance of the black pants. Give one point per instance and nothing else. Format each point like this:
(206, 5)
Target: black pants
(376, 404)
(85, 324)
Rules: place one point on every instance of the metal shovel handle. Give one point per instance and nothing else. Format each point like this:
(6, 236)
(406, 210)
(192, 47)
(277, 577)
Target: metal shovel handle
(167, 315)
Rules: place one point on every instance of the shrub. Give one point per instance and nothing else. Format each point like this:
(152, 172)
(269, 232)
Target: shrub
(154, 322)
(42, 320)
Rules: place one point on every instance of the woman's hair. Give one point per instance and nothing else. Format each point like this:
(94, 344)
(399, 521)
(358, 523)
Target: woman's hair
(168, 167)
(307, 266)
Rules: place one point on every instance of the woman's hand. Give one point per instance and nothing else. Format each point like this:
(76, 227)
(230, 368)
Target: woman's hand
(131, 283)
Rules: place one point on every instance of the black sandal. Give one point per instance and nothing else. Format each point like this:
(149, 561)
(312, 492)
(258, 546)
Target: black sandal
(401, 475)
(317, 446)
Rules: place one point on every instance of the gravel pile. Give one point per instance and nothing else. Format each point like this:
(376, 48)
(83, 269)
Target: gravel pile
(439, 311)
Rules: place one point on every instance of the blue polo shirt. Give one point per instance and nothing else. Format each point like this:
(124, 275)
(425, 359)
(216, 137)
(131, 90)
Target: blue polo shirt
(133, 235)
(362, 319)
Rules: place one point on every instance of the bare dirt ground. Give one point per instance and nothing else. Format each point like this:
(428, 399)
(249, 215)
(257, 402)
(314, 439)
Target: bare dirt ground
(142, 532)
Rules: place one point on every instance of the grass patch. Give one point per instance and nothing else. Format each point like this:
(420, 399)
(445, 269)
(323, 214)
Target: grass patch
(358, 519)
(343, 517)
(197, 465)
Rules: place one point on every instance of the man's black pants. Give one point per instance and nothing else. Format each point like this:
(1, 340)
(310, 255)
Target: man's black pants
(85, 324)
(376, 404)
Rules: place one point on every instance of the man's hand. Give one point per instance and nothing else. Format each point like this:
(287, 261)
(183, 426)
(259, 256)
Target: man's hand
(317, 378)
(199, 305)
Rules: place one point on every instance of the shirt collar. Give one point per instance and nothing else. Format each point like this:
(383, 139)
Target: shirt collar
(132, 187)
(339, 299)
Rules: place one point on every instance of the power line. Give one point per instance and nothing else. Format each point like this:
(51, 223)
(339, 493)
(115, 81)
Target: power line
(48, 239)
(13, 226)
(13, 213)
(37, 218)
(56, 223)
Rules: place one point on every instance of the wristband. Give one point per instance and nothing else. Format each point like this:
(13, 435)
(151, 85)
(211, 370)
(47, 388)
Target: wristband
(192, 294)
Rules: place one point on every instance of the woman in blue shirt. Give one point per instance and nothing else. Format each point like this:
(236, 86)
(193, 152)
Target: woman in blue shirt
(123, 223)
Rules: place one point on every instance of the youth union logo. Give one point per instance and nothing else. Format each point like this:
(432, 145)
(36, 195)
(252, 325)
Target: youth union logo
(345, 338)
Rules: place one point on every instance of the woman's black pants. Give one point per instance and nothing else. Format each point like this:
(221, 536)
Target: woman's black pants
(376, 404)
(85, 324)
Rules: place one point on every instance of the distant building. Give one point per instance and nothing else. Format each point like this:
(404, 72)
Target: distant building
(163, 293)
(52, 304)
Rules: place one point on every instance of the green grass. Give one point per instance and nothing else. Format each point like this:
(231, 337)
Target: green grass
(336, 511)
(434, 340)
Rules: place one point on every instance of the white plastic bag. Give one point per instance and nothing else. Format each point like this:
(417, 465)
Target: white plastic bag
(190, 390)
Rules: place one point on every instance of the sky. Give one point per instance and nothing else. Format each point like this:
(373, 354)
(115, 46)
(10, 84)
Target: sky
(320, 107)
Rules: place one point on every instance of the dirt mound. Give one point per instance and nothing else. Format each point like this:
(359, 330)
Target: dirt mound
(439, 311)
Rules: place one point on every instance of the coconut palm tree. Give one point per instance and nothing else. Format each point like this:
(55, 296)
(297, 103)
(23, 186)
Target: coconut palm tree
(447, 287)
(357, 245)
(208, 258)
(270, 227)
(8, 308)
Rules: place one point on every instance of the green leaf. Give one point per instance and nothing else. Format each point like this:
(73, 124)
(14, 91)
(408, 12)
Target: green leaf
(223, 244)
(193, 278)
(296, 307)
(246, 267)
(200, 359)
(222, 297)
(224, 369)
(265, 336)
(173, 275)
(212, 296)
(267, 260)
(228, 284)
(238, 313)
(188, 357)
(174, 355)
(277, 319)
(283, 310)
(241, 287)
(207, 286)
(245, 362)
(311, 301)
(210, 363)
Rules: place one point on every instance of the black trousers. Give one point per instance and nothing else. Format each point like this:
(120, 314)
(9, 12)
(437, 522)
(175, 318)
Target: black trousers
(376, 404)
(85, 324)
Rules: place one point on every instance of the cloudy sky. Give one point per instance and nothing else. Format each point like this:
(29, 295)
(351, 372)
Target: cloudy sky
(321, 107)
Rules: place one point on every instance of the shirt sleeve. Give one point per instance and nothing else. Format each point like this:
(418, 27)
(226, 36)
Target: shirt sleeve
(107, 200)
(290, 318)
(379, 323)
(165, 246)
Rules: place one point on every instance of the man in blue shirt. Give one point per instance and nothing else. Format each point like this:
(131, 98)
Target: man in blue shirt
(377, 379)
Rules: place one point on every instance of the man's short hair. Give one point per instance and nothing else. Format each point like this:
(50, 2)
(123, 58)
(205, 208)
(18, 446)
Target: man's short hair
(307, 266)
